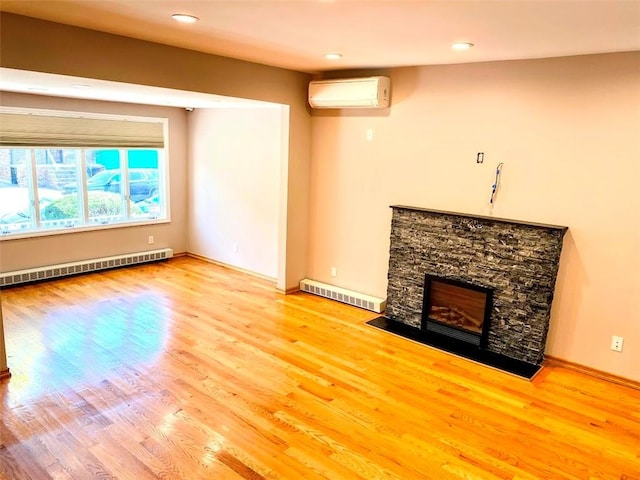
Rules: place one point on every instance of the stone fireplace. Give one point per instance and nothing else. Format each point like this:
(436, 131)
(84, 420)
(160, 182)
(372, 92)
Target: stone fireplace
(445, 266)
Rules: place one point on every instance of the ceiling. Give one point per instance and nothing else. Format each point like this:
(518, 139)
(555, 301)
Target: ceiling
(295, 34)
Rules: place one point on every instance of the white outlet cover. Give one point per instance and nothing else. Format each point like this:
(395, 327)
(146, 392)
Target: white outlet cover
(616, 343)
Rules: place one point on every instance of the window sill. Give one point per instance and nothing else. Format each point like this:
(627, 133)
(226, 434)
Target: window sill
(87, 228)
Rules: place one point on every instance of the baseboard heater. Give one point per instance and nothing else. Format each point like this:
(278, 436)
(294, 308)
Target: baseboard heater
(85, 266)
(343, 295)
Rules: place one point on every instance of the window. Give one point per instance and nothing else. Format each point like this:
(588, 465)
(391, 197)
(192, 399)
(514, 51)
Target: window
(62, 173)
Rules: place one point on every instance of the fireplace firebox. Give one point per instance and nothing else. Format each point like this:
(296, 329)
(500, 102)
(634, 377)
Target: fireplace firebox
(456, 309)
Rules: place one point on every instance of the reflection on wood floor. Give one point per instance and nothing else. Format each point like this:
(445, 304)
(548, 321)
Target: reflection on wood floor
(186, 370)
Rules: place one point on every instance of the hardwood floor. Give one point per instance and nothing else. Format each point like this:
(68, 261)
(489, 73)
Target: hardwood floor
(187, 370)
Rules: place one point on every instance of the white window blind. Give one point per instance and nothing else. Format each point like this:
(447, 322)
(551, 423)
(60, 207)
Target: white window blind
(35, 130)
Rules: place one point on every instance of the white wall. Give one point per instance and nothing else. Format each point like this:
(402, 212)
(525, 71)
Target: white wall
(234, 186)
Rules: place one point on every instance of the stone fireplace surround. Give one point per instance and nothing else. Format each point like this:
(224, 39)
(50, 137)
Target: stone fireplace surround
(517, 260)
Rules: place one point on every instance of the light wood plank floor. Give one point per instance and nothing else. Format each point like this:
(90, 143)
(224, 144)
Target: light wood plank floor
(186, 370)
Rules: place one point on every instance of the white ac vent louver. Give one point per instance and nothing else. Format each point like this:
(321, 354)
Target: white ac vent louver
(356, 299)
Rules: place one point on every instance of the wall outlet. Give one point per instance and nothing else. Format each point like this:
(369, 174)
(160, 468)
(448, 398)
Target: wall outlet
(616, 343)
(235, 247)
(151, 240)
(334, 272)
(369, 134)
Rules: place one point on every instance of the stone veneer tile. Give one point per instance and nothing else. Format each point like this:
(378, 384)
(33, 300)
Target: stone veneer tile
(518, 260)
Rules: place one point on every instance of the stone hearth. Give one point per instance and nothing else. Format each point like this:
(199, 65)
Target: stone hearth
(517, 260)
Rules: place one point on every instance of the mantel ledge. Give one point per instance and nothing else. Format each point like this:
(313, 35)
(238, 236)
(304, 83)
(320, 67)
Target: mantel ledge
(482, 217)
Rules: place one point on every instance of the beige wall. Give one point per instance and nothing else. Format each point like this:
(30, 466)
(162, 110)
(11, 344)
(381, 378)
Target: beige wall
(3, 352)
(568, 132)
(234, 186)
(52, 249)
(36, 45)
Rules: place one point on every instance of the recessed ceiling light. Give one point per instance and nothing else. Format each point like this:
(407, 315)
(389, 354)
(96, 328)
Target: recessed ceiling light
(81, 86)
(332, 56)
(461, 45)
(37, 89)
(184, 18)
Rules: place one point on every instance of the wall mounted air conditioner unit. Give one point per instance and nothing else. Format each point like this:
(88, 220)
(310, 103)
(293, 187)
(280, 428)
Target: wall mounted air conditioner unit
(367, 92)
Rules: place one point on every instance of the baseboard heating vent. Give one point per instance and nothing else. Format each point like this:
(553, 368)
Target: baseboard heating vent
(64, 269)
(356, 299)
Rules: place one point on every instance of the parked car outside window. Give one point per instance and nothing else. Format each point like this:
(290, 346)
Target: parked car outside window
(143, 183)
(15, 213)
(93, 168)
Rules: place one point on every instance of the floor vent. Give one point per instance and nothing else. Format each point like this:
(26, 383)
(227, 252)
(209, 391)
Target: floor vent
(62, 270)
(342, 295)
